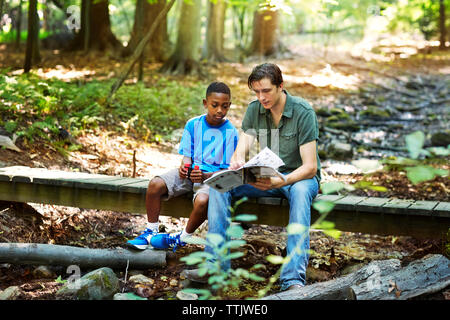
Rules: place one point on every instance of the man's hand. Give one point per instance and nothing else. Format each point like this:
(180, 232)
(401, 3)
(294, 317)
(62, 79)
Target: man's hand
(268, 183)
(236, 164)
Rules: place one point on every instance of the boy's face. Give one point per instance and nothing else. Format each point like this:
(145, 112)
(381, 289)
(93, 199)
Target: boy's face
(267, 93)
(217, 105)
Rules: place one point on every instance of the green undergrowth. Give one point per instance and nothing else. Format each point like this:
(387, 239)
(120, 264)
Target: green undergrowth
(34, 108)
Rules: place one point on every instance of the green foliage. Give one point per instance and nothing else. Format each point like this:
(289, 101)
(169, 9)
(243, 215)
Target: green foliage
(224, 250)
(34, 108)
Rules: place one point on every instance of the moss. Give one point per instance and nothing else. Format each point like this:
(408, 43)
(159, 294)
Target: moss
(375, 112)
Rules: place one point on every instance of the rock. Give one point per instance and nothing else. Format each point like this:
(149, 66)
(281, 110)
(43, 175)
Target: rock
(182, 295)
(440, 139)
(339, 150)
(10, 293)
(173, 283)
(43, 272)
(140, 278)
(96, 285)
(352, 268)
(127, 296)
(374, 112)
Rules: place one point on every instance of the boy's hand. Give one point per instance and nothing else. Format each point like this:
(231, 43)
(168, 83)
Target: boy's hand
(183, 171)
(196, 175)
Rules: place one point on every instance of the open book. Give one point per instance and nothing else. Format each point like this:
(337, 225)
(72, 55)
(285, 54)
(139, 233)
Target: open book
(263, 165)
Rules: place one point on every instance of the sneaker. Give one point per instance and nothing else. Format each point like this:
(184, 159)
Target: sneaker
(142, 241)
(167, 240)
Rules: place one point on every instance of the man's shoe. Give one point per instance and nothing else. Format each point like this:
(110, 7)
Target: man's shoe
(294, 287)
(167, 240)
(192, 275)
(142, 241)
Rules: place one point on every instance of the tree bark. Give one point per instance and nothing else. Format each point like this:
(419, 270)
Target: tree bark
(19, 24)
(184, 60)
(265, 40)
(339, 289)
(214, 49)
(95, 32)
(32, 55)
(442, 28)
(145, 14)
(425, 276)
(47, 254)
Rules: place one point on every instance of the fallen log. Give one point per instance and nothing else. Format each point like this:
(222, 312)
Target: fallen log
(425, 276)
(340, 289)
(48, 254)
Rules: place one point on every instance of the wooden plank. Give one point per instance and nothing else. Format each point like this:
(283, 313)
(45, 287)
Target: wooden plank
(371, 204)
(348, 203)
(269, 201)
(442, 210)
(328, 197)
(424, 208)
(135, 187)
(396, 206)
(96, 183)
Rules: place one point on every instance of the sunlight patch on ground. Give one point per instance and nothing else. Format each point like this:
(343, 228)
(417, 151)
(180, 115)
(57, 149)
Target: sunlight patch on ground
(63, 73)
(326, 77)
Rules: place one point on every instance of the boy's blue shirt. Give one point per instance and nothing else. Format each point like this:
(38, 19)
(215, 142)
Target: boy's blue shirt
(209, 147)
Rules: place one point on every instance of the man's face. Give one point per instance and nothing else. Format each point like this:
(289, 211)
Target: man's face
(268, 94)
(217, 105)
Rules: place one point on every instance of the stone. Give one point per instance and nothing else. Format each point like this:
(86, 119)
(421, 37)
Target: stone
(43, 272)
(10, 293)
(440, 139)
(182, 295)
(99, 284)
(140, 278)
(339, 150)
(173, 283)
(127, 296)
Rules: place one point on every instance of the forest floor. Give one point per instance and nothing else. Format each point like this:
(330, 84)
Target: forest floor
(108, 153)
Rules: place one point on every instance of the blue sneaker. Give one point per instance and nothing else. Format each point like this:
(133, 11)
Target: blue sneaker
(142, 241)
(167, 240)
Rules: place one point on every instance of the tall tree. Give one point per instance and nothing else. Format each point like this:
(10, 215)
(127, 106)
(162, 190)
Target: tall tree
(442, 27)
(32, 55)
(184, 60)
(145, 14)
(214, 49)
(95, 32)
(265, 40)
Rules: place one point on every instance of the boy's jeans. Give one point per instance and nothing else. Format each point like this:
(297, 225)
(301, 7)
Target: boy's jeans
(300, 196)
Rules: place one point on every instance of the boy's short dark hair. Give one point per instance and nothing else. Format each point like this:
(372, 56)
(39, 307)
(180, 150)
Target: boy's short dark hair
(218, 87)
(266, 70)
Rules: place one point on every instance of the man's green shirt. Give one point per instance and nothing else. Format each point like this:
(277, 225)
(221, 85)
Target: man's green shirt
(298, 125)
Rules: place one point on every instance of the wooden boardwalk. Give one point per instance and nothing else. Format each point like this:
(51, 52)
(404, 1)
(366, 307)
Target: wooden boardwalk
(384, 216)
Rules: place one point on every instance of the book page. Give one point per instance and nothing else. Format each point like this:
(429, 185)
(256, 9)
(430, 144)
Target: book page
(266, 158)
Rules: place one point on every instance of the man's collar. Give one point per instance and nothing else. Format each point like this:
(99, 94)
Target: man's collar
(287, 112)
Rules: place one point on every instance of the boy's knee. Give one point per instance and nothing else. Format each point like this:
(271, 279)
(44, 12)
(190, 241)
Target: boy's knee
(156, 186)
(201, 200)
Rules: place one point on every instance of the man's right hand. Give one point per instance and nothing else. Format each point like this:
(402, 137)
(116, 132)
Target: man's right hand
(183, 172)
(236, 164)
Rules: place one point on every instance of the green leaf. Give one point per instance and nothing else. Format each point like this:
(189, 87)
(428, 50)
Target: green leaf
(214, 239)
(332, 187)
(203, 293)
(234, 244)
(324, 225)
(133, 296)
(245, 217)
(275, 259)
(295, 228)
(234, 255)
(196, 240)
(323, 206)
(333, 233)
(414, 143)
(255, 277)
(235, 231)
(423, 173)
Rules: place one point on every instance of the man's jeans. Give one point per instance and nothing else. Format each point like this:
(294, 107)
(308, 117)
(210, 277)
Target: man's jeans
(300, 196)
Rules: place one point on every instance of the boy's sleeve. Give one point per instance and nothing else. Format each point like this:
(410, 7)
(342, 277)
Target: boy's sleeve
(187, 141)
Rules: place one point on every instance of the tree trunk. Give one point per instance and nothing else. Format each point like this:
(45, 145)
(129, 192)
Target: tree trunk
(145, 14)
(19, 24)
(339, 289)
(95, 32)
(49, 254)
(442, 28)
(184, 60)
(265, 40)
(214, 49)
(425, 276)
(32, 55)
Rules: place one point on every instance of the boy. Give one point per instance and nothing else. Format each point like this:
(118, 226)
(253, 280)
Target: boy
(207, 144)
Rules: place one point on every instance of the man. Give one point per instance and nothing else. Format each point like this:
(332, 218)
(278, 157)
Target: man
(276, 115)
